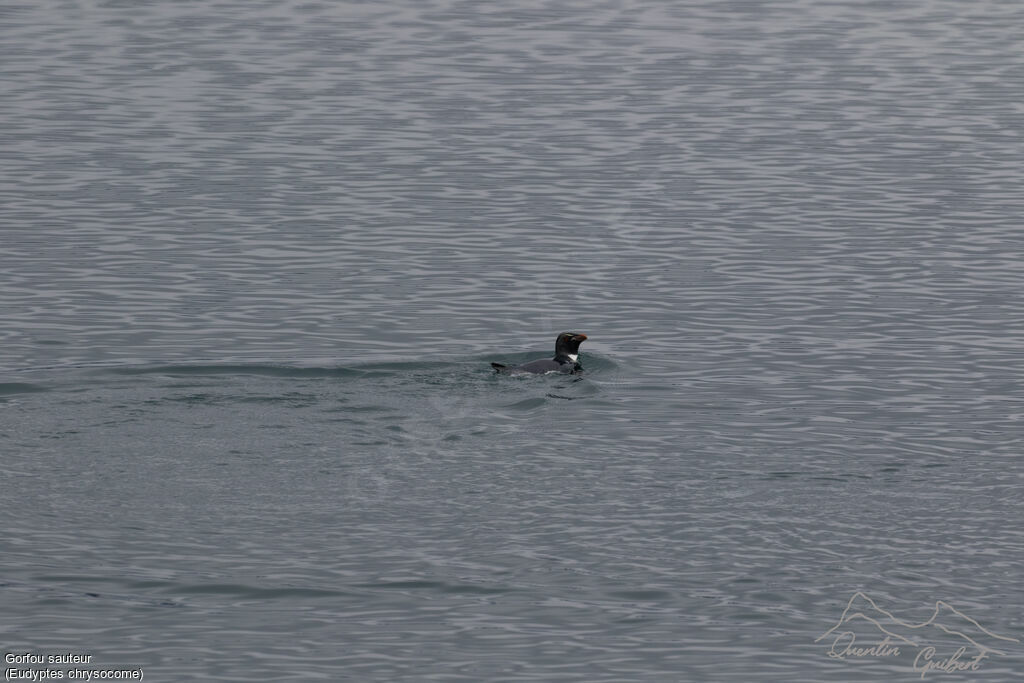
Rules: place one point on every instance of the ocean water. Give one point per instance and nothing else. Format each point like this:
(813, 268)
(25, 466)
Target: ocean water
(256, 258)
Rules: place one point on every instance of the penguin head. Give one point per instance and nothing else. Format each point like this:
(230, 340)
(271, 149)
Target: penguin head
(568, 344)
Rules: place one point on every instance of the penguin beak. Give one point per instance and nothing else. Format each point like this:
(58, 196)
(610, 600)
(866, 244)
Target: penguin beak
(581, 337)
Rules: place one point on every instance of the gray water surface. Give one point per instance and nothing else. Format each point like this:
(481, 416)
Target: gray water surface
(256, 258)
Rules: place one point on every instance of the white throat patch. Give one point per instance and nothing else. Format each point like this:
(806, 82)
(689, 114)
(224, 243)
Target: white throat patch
(573, 356)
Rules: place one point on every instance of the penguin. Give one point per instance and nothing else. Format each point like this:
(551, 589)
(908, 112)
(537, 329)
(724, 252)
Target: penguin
(566, 360)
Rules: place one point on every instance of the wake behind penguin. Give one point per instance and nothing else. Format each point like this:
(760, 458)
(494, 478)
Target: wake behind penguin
(566, 360)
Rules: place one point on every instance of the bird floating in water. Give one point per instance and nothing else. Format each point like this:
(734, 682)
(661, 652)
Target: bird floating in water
(566, 360)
